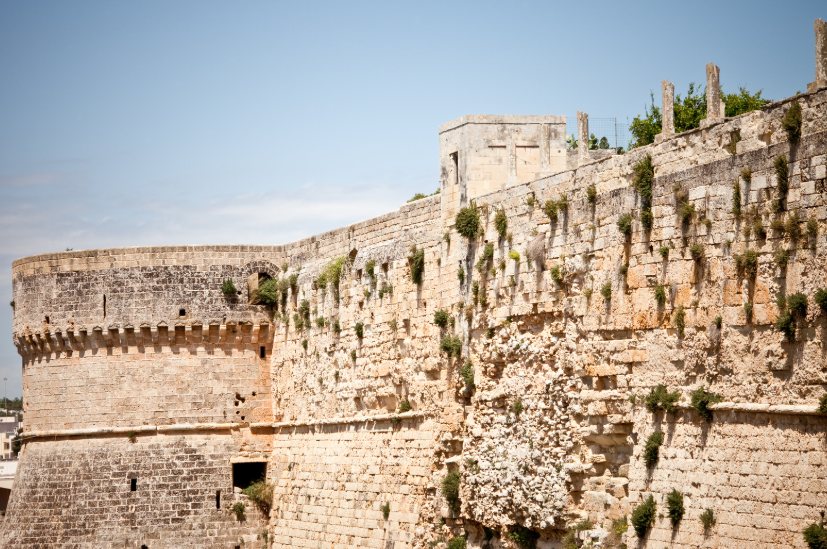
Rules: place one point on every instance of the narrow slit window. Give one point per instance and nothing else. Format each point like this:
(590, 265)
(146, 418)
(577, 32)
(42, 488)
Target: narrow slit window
(133, 485)
(218, 499)
(262, 352)
(104, 306)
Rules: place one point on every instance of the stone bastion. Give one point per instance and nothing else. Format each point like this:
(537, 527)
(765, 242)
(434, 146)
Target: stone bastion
(358, 369)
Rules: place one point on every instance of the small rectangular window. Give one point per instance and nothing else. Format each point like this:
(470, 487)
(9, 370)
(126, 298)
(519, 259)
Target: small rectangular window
(218, 499)
(133, 485)
(246, 473)
(262, 352)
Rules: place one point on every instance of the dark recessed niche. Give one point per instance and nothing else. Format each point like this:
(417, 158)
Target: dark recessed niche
(182, 312)
(262, 352)
(248, 472)
(218, 499)
(47, 320)
(133, 485)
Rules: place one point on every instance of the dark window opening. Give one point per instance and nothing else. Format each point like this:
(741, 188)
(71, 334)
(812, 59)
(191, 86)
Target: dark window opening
(182, 312)
(358, 274)
(218, 499)
(262, 352)
(144, 547)
(133, 485)
(47, 320)
(246, 473)
(104, 306)
(385, 268)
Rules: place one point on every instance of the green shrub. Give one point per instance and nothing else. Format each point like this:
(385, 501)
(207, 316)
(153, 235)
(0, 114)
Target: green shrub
(262, 494)
(718, 322)
(451, 345)
(404, 406)
(486, 256)
(238, 509)
(736, 198)
(386, 510)
(624, 269)
(674, 506)
(467, 221)
(359, 328)
(132, 436)
(588, 293)
(686, 211)
(680, 320)
(557, 274)
(812, 227)
(591, 193)
(447, 237)
(467, 373)
(664, 252)
(747, 263)
(501, 223)
(792, 122)
(748, 310)
(793, 226)
(758, 228)
(660, 399)
(624, 225)
(782, 257)
(336, 376)
(304, 344)
(450, 489)
(551, 210)
(821, 300)
(797, 303)
(701, 399)
(461, 275)
(606, 291)
(369, 268)
(441, 318)
(523, 537)
(822, 404)
(353, 355)
(816, 535)
(458, 542)
(786, 325)
(514, 254)
(651, 451)
(517, 407)
(620, 525)
(643, 516)
(416, 262)
(644, 176)
(746, 175)
(708, 519)
(781, 302)
(660, 294)
(227, 288)
(782, 174)
(530, 201)
(337, 328)
(475, 290)
(696, 251)
(332, 274)
(268, 292)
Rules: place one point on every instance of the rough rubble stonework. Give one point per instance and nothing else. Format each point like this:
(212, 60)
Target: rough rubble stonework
(137, 366)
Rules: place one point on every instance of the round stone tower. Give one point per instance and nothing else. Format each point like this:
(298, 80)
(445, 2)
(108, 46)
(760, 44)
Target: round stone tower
(143, 382)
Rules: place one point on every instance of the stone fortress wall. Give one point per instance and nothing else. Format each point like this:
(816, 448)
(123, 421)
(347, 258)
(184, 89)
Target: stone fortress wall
(137, 366)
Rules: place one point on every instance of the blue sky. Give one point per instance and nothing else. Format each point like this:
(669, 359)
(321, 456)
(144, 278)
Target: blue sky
(147, 123)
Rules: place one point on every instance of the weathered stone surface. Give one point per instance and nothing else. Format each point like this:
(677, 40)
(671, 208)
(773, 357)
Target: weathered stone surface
(550, 432)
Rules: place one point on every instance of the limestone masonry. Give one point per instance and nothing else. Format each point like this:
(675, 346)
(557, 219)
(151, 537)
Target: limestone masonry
(154, 390)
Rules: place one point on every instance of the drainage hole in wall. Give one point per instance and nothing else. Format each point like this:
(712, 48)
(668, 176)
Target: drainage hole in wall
(242, 418)
(182, 312)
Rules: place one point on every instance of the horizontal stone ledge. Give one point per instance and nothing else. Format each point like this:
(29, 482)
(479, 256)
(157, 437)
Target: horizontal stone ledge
(800, 409)
(137, 430)
(337, 420)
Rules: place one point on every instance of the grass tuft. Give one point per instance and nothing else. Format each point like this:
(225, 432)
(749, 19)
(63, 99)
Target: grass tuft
(792, 122)
(701, 399)
(661, 399)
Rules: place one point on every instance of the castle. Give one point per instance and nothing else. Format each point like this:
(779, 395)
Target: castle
(482, 366)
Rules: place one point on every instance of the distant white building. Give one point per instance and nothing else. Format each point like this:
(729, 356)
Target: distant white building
(8, 468)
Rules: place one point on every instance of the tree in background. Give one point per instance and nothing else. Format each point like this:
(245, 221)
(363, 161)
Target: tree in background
(689, 111)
